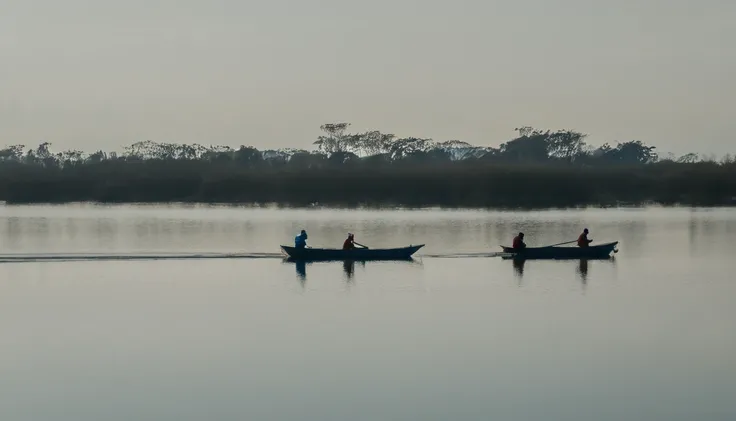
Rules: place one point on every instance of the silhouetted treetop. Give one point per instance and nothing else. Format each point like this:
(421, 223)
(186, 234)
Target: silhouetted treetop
(337, 146)
(537, 168)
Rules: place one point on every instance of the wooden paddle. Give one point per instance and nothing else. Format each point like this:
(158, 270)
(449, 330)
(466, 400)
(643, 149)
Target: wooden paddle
(562, 244)
(358, 244)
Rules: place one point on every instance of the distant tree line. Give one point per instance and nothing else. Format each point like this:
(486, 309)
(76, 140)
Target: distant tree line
(538, 168)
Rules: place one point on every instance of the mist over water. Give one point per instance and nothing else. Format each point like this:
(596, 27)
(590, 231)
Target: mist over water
(454, 334)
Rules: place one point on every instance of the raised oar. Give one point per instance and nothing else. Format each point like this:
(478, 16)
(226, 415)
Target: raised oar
(562, 244)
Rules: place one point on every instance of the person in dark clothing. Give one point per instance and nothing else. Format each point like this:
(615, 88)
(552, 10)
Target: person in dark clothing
(519, 242)
(349, 243)
(583, 240)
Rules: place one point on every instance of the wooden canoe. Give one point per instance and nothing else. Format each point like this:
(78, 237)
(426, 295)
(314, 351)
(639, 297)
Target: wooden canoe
(600, 251)
(401, 253)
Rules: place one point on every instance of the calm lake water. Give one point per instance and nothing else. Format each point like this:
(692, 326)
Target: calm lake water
(650, 335)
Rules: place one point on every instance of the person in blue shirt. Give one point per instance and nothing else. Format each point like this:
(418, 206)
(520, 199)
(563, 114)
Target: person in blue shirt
(301, 240)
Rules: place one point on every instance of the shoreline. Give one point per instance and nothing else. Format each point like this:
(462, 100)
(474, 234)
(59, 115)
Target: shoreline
(449, 185)
(373, 207)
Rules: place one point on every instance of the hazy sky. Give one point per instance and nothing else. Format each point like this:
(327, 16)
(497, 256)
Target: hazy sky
(93, 74)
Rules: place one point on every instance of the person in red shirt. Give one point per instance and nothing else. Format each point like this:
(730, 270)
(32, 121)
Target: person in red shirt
(583, 239)
(519, 242)
(349, 243)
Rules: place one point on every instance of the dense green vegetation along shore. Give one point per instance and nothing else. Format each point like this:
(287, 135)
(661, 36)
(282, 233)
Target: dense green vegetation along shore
(536, 169)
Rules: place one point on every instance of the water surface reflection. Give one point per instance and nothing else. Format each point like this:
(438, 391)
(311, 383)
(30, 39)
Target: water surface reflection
(453, 337)
(583, 271)
(348, 267)
(301, 271)
(582, 267)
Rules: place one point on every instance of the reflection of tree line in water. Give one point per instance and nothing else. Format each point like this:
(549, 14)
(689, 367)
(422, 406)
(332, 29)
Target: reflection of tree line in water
(535, 169)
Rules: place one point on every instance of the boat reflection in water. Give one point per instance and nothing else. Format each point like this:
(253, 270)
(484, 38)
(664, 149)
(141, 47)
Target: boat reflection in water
(581, 268)
(348, 266)
(601, 252)
(302, 256)
(583, 271)
(301, 270)
(519, 267)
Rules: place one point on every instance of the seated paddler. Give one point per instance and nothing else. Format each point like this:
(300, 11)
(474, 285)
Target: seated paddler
(349, 243)
(583, 240)
(300, 241)
(519, 242)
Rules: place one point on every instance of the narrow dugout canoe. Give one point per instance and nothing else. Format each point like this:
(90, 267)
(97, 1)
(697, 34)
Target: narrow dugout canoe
(401, 253)
(600, 251)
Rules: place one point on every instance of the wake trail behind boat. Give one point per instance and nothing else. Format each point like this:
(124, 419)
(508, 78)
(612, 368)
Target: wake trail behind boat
(464, 255)
(92, 257)
(82, 257)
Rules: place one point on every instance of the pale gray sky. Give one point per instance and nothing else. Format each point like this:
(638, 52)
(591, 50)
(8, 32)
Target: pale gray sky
(93, 74)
